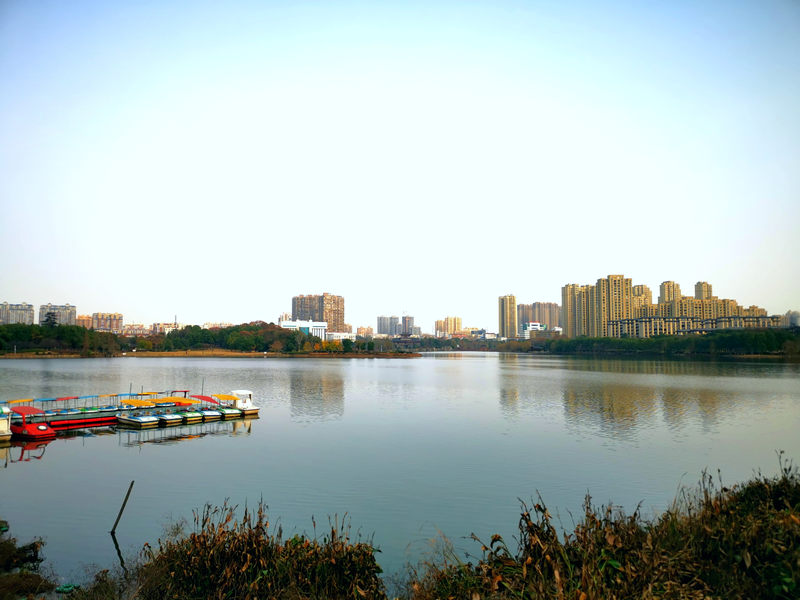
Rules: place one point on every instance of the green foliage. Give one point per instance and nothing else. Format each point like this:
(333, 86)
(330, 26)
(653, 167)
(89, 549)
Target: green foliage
(63, 338)
(724, 341)
(347, 345)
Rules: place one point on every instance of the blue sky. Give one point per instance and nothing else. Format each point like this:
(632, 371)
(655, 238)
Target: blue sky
(212, 160)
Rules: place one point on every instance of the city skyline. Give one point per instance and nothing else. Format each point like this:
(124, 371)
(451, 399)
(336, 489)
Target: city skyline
(172, 127)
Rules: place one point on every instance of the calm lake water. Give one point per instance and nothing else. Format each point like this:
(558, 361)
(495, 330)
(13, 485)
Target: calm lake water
(446, 442)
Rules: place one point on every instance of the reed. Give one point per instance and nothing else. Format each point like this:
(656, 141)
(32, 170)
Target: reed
(229, 558)
(712, 542)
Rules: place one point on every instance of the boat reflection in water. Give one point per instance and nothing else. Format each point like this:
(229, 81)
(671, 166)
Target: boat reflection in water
(173, 435)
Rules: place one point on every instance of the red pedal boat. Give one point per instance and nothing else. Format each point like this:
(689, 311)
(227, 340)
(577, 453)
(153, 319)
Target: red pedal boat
(31, 431)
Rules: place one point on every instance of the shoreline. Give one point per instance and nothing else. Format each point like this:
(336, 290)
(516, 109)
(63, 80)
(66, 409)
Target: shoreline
(214, 354)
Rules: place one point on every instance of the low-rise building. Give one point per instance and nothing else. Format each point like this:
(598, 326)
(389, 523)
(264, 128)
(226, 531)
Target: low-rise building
(221, 325)
(165, 328)
(338, 336)
(136, 329)
(645, 327)
(316, 328)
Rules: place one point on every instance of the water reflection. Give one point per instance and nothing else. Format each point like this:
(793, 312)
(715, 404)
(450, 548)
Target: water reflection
(678, 366)
(183, 433)
(617, 410)
(316, 395)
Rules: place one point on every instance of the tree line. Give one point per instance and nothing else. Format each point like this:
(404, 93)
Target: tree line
(249, 337)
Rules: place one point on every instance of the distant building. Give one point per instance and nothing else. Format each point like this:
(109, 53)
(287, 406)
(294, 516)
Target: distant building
(327, 307)
(613, 307)
(16, 313)
(395, 328)
(65, 313)
(408, 324)
(447, 326)
(111, 322)
(383, 325)
(365, 332)
(223, 325)
(316, 328)
(165, 328)
(136, 329)
(507, 316)
(285, 317)
(538, 312)
(416, 331)
(84, 321)
(338, 336)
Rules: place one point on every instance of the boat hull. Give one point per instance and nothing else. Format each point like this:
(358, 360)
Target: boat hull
(143, 422)
(32, 431)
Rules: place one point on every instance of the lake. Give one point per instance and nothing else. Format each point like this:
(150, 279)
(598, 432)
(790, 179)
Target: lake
(446, 442)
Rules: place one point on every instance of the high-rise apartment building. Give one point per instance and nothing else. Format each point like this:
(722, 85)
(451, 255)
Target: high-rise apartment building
(408, 324)
(587, 309)
(16, 313)
(447, 326)
(702, 290)
(613, 307)
(84, 321)
(383, 325)
(546, 313)
(507, 316)
(65, 313)
(395, 328)
(327, 307)
(111, 322)
(365, 332)
(669, 291)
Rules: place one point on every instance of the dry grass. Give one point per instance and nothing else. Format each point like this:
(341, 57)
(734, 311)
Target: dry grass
(230, 559)
(713, 542)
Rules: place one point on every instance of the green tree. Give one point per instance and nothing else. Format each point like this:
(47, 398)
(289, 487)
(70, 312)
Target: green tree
(347, 345)
(371, 346)
(50, 320)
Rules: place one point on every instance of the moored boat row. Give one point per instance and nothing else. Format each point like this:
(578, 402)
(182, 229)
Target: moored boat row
(28, 419)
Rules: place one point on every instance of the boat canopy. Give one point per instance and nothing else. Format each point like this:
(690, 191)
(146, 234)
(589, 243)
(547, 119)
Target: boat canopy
(71, 398)
(147, 394)
(187, 391)
(140, 403)
(242, 392)
(45, 399)
(167, 400)
(206, 399)
(225, 397)
(27, 410)
(18, 401)
(185, 402)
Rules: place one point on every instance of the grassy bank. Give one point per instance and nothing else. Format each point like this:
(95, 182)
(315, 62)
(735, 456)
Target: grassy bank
(712, 542)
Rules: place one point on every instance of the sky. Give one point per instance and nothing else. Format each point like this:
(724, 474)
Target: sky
(210, 160)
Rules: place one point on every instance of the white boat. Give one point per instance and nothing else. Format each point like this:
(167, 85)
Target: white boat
(5, 423)
(242, 400)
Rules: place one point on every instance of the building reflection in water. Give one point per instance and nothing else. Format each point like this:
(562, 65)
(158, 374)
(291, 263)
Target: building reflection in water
(617, 410)
(624, 410)
(316, 395)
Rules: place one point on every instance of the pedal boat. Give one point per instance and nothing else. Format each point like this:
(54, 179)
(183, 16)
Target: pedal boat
(209, 414)
(31, 431)
(244, 402)
(186, 409)
(136, 413)
(5, 423)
